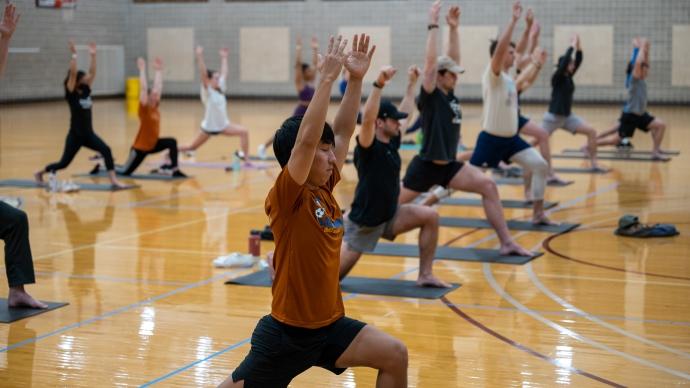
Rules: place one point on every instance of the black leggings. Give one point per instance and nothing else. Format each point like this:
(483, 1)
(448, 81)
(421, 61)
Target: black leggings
(136, 156)
(14, 230)
(72, 145)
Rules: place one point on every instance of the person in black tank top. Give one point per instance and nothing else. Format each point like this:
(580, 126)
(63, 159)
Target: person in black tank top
(78, 95)
(441, 118)
(375, 212)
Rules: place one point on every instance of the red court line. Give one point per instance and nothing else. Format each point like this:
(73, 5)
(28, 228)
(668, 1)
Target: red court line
(522, 347)
(547, 246)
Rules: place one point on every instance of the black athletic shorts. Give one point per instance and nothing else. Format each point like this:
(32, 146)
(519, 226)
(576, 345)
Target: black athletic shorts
(280, 352)
(522, 121)
(422, 174)
(630, 121)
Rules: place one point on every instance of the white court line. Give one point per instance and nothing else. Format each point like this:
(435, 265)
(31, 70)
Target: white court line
(570, 307)
(162, 250)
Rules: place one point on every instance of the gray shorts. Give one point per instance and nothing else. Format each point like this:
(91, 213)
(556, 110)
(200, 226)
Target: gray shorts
(362, 238)
(552, 122)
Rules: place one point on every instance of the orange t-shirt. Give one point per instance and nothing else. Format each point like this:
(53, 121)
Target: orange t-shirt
(308, 230)
(149, 128)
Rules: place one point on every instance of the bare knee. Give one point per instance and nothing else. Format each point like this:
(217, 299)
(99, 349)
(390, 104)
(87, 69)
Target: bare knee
(397, 357)
(430, 217)
(487, 186)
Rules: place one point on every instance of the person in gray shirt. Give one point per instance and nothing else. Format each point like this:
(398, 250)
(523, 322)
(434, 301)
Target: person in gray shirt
(635, 113)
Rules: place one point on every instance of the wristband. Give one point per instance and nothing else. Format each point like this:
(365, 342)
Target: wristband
(377, 85)
(431, 26)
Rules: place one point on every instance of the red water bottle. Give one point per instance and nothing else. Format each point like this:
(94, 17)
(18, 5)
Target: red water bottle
(255, 245)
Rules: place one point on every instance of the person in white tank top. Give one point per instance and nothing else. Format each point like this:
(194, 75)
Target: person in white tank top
(213, 87)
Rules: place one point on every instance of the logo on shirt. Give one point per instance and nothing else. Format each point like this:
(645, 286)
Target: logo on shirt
(457, 116)
(85, 103)
(328, 224)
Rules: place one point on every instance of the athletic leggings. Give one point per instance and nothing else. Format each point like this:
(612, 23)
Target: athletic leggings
(14, 230)
(536, 167)
(72, 145)
(136, 156)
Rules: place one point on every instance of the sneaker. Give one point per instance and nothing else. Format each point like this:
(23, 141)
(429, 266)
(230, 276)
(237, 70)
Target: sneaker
(69, 187)
(179, 174)
(240, 154)
(261, 151)
(95, 170)
(15, 202)
(189, 154)
(625, 144)
(234, 259)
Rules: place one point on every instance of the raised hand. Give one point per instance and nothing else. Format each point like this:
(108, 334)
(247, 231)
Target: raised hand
(72, 47)
(453, 16)
(314, 43)
(539, 56)
(330, 64)
(9, 21)
(534, 30)
(386, 74)
(141, 64)
(92, 48)
(434, 12)
(224, 52)
(298, 43)
(358, 60)
(517, 11)
(413, 74)
(157, 64)
(199, 50)
(529, 17)
(636, 42)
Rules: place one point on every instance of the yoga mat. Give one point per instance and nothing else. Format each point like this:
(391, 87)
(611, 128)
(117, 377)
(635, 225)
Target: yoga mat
(637, 158)
(152, 176)
(563, 170)
(450, 253)
(361, 285)
(507, 203)
(617, 151)
(512, 225)
(520, 182)
(9, 315)
(82, 186)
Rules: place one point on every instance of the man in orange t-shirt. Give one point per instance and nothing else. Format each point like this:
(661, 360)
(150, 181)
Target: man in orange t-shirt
(147, 140)
(307, 325)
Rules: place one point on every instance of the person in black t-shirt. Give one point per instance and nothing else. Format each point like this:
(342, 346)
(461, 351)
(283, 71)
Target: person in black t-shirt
(441, 118)
(375, 212)
(81, 134)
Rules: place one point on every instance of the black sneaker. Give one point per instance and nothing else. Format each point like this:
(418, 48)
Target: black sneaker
(625, 144)
(178, 174)
(96, 170)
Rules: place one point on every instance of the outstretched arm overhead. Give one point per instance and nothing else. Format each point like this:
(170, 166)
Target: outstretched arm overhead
(158, 76)
(8, 25)
(529, 75)
(371, 108)
(299, 79)
(642, 59)
(143, 82)
(565, 59)
(504, 40)
(453, 20)
(357, 63)
(314, 51)
(310, 130)
(429, 78)
(224, 52)
(92, 67)
(578, 53)
(633, 59)
(521, 48)
(72, 77)
(203, 72)
(407, 104)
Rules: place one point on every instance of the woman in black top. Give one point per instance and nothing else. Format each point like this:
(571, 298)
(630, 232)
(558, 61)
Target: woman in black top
(78, 96)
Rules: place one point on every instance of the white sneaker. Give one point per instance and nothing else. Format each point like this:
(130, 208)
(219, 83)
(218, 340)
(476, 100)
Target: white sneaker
(69, 187)
(15, 202)
(234, 259)
(261, 151)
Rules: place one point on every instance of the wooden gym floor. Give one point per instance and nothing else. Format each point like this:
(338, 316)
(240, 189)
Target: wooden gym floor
(146, 305)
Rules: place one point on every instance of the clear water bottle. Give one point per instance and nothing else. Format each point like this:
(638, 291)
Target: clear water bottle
(52, 182)
(236, 163)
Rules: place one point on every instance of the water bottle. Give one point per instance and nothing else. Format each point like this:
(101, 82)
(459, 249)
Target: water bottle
(255, 244)
(236, 163)
(52, 182)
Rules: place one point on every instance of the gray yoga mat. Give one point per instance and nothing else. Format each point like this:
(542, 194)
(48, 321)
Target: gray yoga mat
(520, 182)
(562, 170)
(637, 158)
(512, 225)
(507, 203)
(82, 186)
(450, 253)
(9, 315)
(618, 152)
(360, 285)
(152, 176)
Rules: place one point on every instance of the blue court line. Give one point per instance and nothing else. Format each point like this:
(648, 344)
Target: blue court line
(117, 311)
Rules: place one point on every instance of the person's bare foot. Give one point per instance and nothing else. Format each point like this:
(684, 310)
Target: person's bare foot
(431, 281)
(598, 168)
(555, 180)
(20, 298)
(38, 177)
(513, 248)
(117, 184)
(659, 155)
(585, 150)
(271, 270)
(543, 220)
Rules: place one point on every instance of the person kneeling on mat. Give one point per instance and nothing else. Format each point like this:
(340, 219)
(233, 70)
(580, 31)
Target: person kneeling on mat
(307, 325)
(375, 212)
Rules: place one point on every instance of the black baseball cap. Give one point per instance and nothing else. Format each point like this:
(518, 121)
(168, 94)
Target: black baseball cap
(388, 111)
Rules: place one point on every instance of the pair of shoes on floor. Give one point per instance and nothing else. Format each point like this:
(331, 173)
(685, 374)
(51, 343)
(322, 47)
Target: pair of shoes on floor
(630, 226)
(234, 259)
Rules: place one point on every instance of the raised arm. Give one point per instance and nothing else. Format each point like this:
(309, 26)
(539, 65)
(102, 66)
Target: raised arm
(143, 82)
(299, 79)
(72, 77)
(521, 47)
(224, 52)
(642, 59)
(310, 130)
(504, 40)
(357, 63)
(578, 53)
(453, 20)
(158, 76)
(531, 72)
(429, 77)
(407, 103)
(203, 71)
(371, 108)
(564, 60)
(633, 59)
(92, 67)
(8, 25)
(532, 43)
(314, 52)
